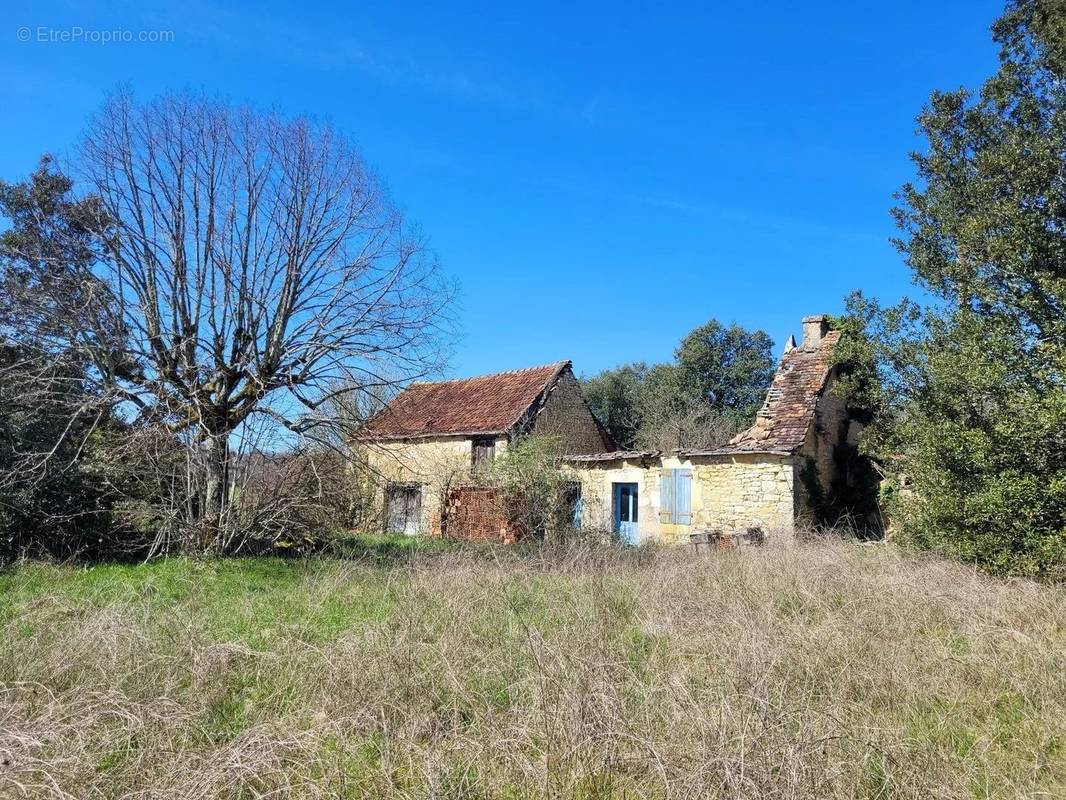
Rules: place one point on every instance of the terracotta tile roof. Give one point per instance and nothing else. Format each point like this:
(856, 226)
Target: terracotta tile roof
(486, 405)
(786, 414)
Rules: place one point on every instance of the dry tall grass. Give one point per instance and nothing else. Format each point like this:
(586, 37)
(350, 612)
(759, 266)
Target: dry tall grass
(829, 671)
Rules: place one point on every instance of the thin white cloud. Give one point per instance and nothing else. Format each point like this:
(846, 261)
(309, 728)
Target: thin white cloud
(264, 36)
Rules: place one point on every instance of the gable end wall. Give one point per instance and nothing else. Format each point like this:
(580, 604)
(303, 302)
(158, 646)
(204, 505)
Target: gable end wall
(566, 415)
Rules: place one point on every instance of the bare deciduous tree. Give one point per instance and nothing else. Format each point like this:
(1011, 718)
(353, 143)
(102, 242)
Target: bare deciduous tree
(256, 267)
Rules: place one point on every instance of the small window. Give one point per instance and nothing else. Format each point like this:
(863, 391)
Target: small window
(627, 503)
(484, 452)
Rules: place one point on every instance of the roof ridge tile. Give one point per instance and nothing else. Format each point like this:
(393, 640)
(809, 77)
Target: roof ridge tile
(554, 364)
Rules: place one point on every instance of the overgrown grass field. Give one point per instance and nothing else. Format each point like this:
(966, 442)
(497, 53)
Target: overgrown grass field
(827, 671)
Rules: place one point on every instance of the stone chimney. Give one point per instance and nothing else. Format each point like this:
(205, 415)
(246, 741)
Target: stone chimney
(814, 328)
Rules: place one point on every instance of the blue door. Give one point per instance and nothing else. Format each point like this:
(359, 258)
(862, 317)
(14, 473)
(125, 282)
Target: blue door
(625, 512)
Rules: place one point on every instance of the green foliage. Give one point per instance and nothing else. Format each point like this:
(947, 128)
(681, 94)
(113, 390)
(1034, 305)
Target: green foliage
(54, 492)
(57, 485)
(529, 472)
(615, 396)
(48, 294)
(857, 360)
(968, 395)
(711, 390)
(971, 438)
(726, 368)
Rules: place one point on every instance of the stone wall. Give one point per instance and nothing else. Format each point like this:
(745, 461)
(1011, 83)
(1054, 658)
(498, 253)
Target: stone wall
(730, 494)
(596, 494)
(566, 416)
(734, 493)
(828, 430)
(440, 463)
(435, 464)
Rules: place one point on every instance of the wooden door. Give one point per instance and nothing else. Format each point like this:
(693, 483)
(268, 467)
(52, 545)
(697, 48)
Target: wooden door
(403, 509)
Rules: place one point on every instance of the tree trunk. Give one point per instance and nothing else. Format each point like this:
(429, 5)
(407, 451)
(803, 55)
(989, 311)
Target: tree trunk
(216, 487)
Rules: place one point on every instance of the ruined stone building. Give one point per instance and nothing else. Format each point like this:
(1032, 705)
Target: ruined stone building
(762, 483)
(426, 442)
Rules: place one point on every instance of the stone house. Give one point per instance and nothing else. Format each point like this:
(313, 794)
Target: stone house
(767, 480)
(431, 437)
(764, 482)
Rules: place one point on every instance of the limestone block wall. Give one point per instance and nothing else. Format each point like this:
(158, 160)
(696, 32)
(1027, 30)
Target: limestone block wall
(729, 494)
(434, 464)
(597, 482)
(737, 492)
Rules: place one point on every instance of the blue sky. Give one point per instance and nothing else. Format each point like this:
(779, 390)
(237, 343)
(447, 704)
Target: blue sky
(599, 180)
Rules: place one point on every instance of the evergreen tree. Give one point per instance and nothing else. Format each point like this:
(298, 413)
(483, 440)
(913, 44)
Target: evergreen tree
(971, 391)
(710, 391)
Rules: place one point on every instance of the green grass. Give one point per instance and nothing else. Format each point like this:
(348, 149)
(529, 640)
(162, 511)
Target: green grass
(414, 668)
(247, 600)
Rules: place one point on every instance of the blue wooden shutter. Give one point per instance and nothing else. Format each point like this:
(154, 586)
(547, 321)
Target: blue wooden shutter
(683, 497)
(666, 495)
